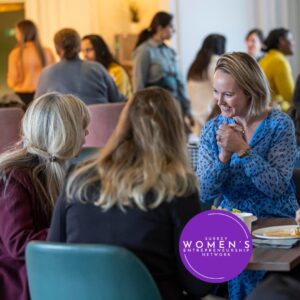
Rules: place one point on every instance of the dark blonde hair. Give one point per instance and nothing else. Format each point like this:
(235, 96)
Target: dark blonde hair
(53, 130)
(151, 155)
(67, 43)
(249, 77)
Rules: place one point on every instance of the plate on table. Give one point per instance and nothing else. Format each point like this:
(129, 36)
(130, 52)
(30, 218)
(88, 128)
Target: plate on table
(278, 232)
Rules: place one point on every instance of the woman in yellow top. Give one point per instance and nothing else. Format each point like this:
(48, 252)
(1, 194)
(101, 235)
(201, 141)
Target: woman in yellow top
(277, 68)
(94, 48)
(26, 60)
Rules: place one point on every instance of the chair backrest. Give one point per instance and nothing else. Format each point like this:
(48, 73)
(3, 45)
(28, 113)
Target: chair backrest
(81, 272)
(296, 179)
(104, 118)
(10, 122)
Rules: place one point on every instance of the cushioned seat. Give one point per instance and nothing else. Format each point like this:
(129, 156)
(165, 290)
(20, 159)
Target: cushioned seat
(86, 272)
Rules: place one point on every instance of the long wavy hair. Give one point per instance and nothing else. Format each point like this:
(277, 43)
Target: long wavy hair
(53, 131)
(162, 19)
(150, 156)
(213, 44)
(29, 33)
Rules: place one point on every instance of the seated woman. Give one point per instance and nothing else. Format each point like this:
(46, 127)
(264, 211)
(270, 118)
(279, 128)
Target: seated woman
(53, 131)
(141, 202)
(94, 48)
(87, 80)
(246, 154)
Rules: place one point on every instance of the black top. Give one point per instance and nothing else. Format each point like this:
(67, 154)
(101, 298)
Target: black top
(152, 235)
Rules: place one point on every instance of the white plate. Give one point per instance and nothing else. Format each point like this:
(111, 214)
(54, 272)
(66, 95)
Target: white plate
(276, 232)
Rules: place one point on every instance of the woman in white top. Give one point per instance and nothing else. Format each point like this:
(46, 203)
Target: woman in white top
(200, 77)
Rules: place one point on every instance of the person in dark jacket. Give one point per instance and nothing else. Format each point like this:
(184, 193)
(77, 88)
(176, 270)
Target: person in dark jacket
(141, 202)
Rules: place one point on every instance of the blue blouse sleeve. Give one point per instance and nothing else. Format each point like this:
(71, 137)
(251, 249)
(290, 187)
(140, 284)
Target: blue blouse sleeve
(211, 172)
(272, 176)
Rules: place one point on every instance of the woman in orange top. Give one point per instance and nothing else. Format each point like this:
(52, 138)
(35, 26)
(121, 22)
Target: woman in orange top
(26, 61)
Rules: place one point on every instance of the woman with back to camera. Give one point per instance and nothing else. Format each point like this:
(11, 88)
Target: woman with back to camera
(141, 203)
(254, 43)
(155, 64)
(53, 131)
(87, 80)
(26, 61)
(94, 48)
(247, 153)
(200, 78)
(277, 68)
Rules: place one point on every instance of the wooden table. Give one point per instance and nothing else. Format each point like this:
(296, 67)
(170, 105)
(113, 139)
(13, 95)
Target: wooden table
(274, 259)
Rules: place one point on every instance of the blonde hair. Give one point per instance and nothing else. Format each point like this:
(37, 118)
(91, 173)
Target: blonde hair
(150, 155)
(53, 131)
(249, 77)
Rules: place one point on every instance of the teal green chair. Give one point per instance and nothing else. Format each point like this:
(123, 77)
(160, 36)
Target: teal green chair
(58, 271)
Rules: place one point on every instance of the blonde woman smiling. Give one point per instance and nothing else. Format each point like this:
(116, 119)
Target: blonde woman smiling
(139, 193)
(53, 131)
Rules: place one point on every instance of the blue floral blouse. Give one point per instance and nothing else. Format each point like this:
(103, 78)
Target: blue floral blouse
(259, 183)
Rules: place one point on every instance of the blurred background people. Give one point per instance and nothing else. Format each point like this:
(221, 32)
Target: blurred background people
(255, 43)
(94, 48)
(26, 61)
(153, 190)
(279, 44)
(155, 64)
(200, 78)
(31, 177)
(86, 79)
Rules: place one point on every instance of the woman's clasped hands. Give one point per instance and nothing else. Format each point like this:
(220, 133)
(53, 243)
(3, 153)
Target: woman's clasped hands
(231, 139)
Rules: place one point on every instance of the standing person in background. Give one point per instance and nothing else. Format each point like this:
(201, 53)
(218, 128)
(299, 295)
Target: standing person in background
(277, 68)
(26, 61)
(254, 43)
(31, 177)
(94, 48)
(155, 64)
(87, 80)
(200, 78)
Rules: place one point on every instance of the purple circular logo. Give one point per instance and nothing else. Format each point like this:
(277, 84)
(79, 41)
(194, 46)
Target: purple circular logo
(215, 246)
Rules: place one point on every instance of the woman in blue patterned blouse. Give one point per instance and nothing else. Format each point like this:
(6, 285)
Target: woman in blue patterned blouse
(246, 154)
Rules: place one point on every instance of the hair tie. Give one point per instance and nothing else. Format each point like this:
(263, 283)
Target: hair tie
(52, 158)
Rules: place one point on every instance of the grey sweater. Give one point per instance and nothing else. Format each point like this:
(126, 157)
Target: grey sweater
(87, 80)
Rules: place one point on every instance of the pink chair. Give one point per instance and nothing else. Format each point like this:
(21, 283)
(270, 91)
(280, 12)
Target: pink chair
(10, 122)
(104, 118)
